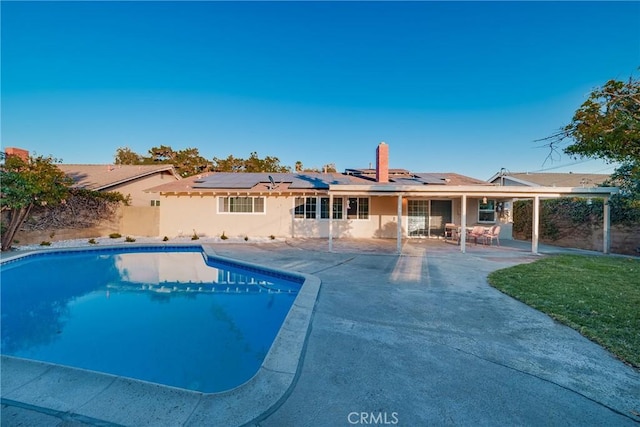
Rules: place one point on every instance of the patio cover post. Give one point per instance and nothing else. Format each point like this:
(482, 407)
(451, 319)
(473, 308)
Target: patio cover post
(463, 225)
(399, 230)
(606, 235)
(330, 222)
(535, 224)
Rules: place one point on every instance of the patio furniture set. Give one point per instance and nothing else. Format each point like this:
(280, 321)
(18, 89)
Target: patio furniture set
(486, 235)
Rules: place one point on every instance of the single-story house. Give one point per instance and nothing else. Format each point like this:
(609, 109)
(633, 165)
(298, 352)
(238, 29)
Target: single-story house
(546, 179)
(360, 203)
(129, 180)
(141, 216)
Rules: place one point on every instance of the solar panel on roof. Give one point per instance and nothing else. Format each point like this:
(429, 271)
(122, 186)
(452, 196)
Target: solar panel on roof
(228, 180)
(297, 181)
(428, 178)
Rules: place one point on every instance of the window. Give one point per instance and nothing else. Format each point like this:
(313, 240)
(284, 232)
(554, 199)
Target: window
(241, 204)
(324, 207)
(307, 207)
(358, 208)
(487, 210)
(155, 203)
(337, 208)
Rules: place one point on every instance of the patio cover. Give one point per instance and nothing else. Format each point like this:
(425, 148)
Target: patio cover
(463, 192)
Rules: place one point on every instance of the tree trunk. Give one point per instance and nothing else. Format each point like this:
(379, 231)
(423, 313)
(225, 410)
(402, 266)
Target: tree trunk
(16, 218)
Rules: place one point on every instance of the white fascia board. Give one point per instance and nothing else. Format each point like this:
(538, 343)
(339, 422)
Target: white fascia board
(470, 190)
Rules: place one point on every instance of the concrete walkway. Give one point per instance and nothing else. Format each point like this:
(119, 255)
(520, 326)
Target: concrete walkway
(420, 339)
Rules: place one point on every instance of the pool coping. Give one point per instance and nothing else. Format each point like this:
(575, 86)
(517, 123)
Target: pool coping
(107, 399)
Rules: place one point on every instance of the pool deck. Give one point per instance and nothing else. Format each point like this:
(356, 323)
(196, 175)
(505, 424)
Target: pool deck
(417, 338)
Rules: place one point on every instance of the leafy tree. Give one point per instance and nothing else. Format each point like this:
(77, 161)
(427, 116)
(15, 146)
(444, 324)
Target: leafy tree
(25, 184)
(329, 167)
(607, 126)
(189, 162)
(252, 164)
(162, 154)
(230, 164)
(125, 156)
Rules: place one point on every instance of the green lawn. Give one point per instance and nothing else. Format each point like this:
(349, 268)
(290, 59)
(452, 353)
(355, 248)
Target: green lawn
(599, 296)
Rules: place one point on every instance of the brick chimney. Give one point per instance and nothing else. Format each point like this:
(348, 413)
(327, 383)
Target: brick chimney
(13, 151)
(382, 163)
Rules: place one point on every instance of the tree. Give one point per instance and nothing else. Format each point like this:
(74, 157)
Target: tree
(189, 162)
(230, 164)
(607, 126)
(125, 156)
(252, 164)
(25, 184)
(162, 154)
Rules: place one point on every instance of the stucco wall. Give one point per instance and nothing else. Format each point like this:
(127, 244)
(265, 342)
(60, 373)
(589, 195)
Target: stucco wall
(184, 215)
(136, 188)
(140, 221)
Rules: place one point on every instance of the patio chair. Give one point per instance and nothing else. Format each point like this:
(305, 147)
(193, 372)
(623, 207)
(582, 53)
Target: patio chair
(450, 231)
(476, 233)
(493, 233)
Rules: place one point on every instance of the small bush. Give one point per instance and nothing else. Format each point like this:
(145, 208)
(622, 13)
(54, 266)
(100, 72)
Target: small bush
(115, 235)
(53, 233)
(223, 236)
(246, 238)
(129, 239)
(195, 237)
(165, 238)
(93, 241)
(272, 237)
(45, 243)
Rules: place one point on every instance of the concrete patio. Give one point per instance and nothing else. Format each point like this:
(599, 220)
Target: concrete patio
(420, 338)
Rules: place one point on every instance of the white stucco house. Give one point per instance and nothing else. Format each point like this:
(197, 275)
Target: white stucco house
(359, 203)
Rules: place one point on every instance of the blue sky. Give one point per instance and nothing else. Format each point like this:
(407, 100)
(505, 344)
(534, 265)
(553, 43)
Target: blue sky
(461, 87)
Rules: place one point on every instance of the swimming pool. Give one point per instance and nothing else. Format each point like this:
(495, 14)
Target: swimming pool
(167, 315)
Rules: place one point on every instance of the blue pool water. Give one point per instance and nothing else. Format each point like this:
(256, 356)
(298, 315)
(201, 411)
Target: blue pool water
(170, 316)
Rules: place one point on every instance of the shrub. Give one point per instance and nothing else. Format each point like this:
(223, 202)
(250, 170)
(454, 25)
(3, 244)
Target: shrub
(223, 236)
(165, 238)
(246, 238)
(115, 235)
(129, 239)
(45, 243)
(195, 237)
(272, 237)
(93, 241)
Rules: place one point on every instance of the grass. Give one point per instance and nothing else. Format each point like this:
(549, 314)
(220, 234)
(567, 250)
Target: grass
(598, 296)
